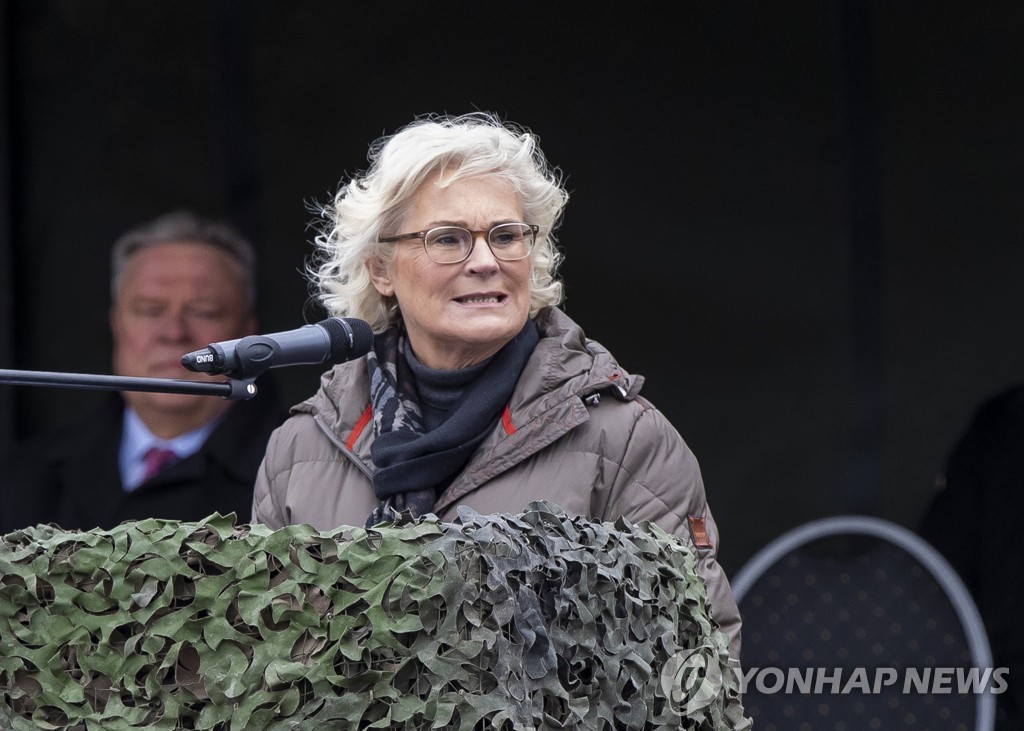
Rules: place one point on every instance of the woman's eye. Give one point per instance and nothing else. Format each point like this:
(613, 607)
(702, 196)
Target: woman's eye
(447, 240)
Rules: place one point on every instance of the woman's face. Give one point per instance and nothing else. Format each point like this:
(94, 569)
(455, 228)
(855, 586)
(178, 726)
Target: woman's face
(458, 314)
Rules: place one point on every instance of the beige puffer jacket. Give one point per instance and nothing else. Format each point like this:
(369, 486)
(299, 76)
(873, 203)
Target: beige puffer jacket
(575, 433)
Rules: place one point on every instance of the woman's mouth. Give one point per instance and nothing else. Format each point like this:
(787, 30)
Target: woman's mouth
(481, 299)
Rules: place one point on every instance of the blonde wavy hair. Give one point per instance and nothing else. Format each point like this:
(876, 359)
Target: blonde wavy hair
(375, 203)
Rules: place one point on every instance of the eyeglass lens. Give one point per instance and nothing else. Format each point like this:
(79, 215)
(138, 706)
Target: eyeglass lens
(450, 244)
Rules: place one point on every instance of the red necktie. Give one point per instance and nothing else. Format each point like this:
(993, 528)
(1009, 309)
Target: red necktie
(155, 459)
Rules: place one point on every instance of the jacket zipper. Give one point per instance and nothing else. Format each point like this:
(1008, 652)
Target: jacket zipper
(344, 449)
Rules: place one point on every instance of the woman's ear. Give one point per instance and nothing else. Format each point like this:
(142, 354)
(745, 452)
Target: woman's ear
(380, 277)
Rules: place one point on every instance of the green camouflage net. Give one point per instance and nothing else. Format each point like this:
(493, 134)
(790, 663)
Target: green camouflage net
(528, 621)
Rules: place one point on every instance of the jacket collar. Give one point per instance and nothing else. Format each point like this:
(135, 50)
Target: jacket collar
(550, 399)
(565, 370)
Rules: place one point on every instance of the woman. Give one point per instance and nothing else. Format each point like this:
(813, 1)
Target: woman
(479, 391)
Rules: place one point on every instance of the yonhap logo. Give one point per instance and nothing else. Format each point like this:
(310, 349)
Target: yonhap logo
(691, 682)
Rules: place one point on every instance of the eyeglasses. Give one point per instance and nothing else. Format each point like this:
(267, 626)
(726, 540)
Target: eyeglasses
(453, 244)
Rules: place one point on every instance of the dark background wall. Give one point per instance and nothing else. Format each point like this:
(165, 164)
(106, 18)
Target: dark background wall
(801, 221)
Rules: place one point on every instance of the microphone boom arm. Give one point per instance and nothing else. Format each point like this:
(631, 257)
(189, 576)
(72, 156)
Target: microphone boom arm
(233, 390)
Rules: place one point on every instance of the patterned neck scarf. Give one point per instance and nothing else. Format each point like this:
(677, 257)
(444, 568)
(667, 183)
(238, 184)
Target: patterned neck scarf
(413, 465)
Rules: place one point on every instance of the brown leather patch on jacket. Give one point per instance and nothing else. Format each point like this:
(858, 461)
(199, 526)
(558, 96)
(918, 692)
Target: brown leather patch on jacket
(699, 532)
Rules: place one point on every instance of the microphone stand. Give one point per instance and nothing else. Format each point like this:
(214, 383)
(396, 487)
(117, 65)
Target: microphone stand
(232, 389)
(250, 367)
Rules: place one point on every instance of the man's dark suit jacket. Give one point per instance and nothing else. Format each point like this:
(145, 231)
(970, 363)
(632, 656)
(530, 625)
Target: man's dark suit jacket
(976, 523)
(71, 478)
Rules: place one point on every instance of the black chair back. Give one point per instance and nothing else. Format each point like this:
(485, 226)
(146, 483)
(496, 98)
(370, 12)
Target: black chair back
(854, 623)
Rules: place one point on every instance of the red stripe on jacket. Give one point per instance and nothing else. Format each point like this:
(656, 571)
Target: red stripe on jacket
(506, 421)
(361, 423)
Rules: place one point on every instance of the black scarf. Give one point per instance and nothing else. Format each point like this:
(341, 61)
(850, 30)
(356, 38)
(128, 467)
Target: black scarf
(412, 464)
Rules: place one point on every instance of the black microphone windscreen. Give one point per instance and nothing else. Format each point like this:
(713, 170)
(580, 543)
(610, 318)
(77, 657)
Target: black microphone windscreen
(346, 346)
(362, 336)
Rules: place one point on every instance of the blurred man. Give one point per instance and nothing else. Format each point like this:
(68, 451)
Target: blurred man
(975, 521)
(178, 284)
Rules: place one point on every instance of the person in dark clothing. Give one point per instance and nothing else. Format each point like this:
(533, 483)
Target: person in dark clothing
(178, 283)
(975, 522)
(71, 477)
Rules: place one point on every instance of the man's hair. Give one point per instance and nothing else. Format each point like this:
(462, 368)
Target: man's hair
(185, 227)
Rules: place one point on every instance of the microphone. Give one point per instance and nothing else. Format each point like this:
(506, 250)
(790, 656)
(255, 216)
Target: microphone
(334, 340)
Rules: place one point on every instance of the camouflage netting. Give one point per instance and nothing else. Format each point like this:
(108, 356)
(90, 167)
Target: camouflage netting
(522, 621)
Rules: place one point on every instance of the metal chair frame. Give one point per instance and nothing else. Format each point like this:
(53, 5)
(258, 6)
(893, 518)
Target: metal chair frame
(926, 555)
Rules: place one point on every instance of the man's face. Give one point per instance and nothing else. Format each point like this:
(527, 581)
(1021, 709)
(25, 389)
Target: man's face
(175, 298)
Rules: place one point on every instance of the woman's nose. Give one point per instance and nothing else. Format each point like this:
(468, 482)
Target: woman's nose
(481, 256)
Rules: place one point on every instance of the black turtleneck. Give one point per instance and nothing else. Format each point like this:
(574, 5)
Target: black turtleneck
(439, 389)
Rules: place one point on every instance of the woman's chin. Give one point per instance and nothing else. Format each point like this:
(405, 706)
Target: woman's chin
(465, 346)
(489, 327)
